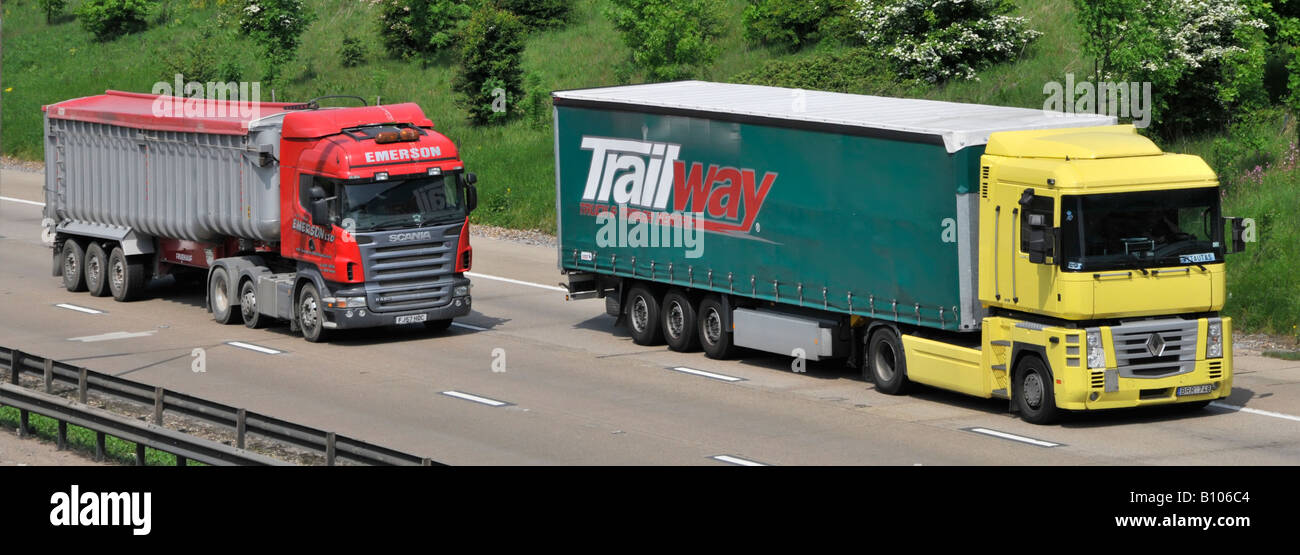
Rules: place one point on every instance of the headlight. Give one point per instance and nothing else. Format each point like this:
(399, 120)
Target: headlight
(460, 290)
(1096, 353)
(344, 302)
(1214, 340)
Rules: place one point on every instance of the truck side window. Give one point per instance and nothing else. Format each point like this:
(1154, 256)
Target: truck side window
(1041, 205)
(304, 191)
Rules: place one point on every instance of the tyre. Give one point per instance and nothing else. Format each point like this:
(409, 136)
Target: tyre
(74, 260)
(437, 325)
(1033, 391)
(886, 364)
(643, 316)
(125, 278)
(714, 335)
(311, 314)
(96, 265)
(248, 306)
(219, 297)
(679, 322)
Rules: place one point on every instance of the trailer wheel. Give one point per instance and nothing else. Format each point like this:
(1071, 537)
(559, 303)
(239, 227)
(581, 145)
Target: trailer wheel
(74, 259)
(679, 322)
(643, 316)
(886, 364)
(311, 314)
(715, 338)
(248, 305)
(1033, 391)
(96, 265)
(125, 278)
(219, 296)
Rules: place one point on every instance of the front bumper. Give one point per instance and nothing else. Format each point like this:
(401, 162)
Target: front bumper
(347, 318)
(1138, 392)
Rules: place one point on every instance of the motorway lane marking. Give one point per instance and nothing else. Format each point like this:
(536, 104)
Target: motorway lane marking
(475, 398)
(1236, 408)
(710, 375)
(113, 335)
(252, 347)
(517, 282)
(736, 460)
(23, 201)
(1013, 437)
(79, 308)
(468, 326)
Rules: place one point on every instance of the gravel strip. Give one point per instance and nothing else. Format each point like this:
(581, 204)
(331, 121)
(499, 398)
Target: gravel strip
(21, 165)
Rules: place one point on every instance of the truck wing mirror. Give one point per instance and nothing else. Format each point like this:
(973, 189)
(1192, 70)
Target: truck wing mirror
(320, 211)
(1238, 235)
(471, 179)
(471, 197)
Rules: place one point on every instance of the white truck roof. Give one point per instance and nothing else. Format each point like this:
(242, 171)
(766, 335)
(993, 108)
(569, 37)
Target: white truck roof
(954, 124)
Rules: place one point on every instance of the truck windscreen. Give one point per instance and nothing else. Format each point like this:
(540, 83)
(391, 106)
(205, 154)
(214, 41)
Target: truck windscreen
(1141, 230)
(399, 203)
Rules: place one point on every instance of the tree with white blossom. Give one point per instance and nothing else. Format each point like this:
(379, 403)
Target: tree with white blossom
(276, 26)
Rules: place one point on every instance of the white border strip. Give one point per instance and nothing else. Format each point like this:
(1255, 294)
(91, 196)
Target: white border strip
(79, 308)
(476, 399)
(710, 375)
(252, 347)
(1236, 408)
(517, 282)
(736, 460)
(1013, 437)
(23, 201)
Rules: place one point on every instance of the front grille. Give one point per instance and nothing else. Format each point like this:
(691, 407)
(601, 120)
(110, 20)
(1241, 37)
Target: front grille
(1098, 379)
(1216, 370)
(409, 274)
(1173, 343)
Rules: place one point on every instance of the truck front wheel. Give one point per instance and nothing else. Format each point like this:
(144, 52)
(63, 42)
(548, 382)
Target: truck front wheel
(643, 316)
(125, 278)
(886, 364)
(1033, 391)
(96, 264)
(715, 338)
(74, 259)
(219, 296)
(311, 314)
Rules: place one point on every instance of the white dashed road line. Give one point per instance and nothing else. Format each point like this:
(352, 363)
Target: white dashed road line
(475, 398)
(1013, 437)
(736, 460)
(79, 308)
(1236, 408)
(113, 335)
(710, 375)
(252, 347)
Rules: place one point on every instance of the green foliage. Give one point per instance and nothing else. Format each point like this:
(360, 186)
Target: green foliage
(490, 80)
(421, 28)
(109, 19)
(53, 8)
(669, 40)
(789, 24)
(857, 71)
(938, 40)
(200, 59)
(352, 52)
(276, 26)
(539, 14)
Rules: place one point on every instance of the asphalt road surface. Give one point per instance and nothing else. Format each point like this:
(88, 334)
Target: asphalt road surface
(575, 389)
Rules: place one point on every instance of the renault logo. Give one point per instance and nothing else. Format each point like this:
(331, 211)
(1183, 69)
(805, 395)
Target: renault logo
(1155, 345)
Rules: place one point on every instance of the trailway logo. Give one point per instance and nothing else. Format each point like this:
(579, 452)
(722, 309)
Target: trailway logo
(102, 509)
(646, 175)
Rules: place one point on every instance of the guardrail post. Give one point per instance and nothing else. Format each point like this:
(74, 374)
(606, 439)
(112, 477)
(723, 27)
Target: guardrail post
(15, 364)
(139, 454)
(23, 415)
(158, 393)
(63, 435)
(181, 461)
(81, 386)
(426, 461)
(240, 427)
(100, 451)
(49, 375)
(329, 449)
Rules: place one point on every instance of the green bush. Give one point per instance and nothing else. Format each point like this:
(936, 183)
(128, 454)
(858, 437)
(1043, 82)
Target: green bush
(109, 19)
(539, 14)
(490, 80)
(937, 40)
(53, 8)
(669, 40)
(789, 24)
(276, 26)
(352, 52)
(421, 28)
(857, 71)
(200, 59)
